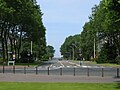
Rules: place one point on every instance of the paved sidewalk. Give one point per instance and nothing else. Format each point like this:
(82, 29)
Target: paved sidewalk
(56, 78)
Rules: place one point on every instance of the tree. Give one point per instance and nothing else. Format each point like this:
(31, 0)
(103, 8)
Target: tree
(21, 20)
(104, 27)
(49, 52)
(70, 48)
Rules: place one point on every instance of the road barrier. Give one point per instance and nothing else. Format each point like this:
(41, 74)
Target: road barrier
(14, 69)
(61, 71)
(88, 72)
(36, 70)
(74, 71)
(118, 71)
(102, 72)
(24, 70)
(48, 71)
(3, 68)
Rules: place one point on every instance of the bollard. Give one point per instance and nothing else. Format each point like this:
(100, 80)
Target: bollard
(102, 72)
(88, 72)
(118, 73)
(48, 71)
(36, 70)
(24, 70)
(74, 71)
(14, 69)
(3, 68)
(61, 71)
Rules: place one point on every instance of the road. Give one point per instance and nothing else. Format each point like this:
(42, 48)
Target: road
(66, 67)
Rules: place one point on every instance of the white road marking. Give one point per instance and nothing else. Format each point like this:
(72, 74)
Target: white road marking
(68, 66)
(61, 64)
(51, 65)
(74, 64)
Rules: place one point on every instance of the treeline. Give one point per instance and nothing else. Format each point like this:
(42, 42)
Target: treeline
(20, 26)
(100, 38)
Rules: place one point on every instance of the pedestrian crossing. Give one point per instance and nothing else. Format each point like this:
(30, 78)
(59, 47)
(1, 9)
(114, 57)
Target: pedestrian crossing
(66, 64)
(51, 67)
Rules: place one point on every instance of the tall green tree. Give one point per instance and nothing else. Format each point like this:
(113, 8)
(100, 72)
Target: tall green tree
(21, 20)
(71, 47)
(49, 52)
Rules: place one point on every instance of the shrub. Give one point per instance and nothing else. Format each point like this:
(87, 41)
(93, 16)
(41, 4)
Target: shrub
(24, 57)
(117, 59)
(102, 57)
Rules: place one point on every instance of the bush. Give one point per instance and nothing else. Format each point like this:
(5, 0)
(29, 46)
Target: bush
(102, 57)
(107, 54)
(117, 59)
(24, 57)
(94, 59)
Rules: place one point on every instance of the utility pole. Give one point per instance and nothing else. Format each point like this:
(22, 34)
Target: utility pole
(94, 48)
(73, 52)
(31, 47)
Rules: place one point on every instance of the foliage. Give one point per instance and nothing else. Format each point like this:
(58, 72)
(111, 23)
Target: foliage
(24, 57)
(49, 52)
(71, 46)
(87, 41)
(107, 54)
(21, 21)
(103, 56)
(103, 27)
(117, 59)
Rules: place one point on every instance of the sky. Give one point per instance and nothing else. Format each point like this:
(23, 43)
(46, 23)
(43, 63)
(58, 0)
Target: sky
(63, 18)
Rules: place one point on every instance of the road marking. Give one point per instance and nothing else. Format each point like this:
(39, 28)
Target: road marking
(54, 66)
(68, 66)
(51, 65)
(61, 64)
(74, 64)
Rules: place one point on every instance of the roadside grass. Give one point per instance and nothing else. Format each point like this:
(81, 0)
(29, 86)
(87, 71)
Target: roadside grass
(26, 64)
(106, 64)
(58, 86)
(22, 64)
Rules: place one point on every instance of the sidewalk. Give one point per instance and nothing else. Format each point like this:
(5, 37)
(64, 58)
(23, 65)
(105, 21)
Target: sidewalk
(56, 78)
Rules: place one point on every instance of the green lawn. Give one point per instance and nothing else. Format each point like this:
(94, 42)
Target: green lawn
(107, 64)
(58, 86)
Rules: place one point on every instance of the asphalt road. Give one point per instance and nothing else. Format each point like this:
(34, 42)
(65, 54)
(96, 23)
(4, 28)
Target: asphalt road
(63, 67)
(55, 78)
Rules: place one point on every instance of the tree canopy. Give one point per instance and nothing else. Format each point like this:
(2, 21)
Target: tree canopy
(101, 32)
(21, 23)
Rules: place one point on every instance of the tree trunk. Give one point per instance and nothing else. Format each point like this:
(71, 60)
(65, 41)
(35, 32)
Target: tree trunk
(2, 42)
(6, 46)
(19, 45)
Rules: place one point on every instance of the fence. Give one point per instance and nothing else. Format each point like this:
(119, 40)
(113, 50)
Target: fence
(102, 72)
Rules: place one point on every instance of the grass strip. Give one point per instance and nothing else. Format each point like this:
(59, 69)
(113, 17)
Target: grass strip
(58, 86)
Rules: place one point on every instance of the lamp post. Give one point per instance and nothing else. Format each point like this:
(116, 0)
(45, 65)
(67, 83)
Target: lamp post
(31, 47)
(94, 48)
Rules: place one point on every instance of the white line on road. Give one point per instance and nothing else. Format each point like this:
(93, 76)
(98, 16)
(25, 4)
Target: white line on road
(51, 65)
(61, 64)
(74, 64)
